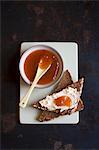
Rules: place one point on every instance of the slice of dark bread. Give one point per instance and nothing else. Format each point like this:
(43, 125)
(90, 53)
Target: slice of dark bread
(66, 80)
(47, 115)
(78, 85)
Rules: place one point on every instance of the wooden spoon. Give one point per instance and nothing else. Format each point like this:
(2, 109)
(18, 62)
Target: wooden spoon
(43, 66)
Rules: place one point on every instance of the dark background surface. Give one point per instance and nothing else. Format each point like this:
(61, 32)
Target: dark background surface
(50, 21)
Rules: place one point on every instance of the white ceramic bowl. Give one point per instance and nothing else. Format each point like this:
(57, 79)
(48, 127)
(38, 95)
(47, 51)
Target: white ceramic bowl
(28, 52)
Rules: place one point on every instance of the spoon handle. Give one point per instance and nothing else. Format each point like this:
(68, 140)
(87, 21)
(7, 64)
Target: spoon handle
(25, 99)
(39, 74)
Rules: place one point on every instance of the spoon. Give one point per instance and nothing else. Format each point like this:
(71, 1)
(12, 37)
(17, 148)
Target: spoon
(43, 66)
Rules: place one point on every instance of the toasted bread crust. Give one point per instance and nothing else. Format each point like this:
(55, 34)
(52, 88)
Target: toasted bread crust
(46, 116)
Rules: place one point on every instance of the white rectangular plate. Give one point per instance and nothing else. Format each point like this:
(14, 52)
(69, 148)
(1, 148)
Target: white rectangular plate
(69, 54)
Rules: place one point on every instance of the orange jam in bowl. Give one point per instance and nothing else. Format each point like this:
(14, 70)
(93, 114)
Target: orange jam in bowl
(29, 63)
